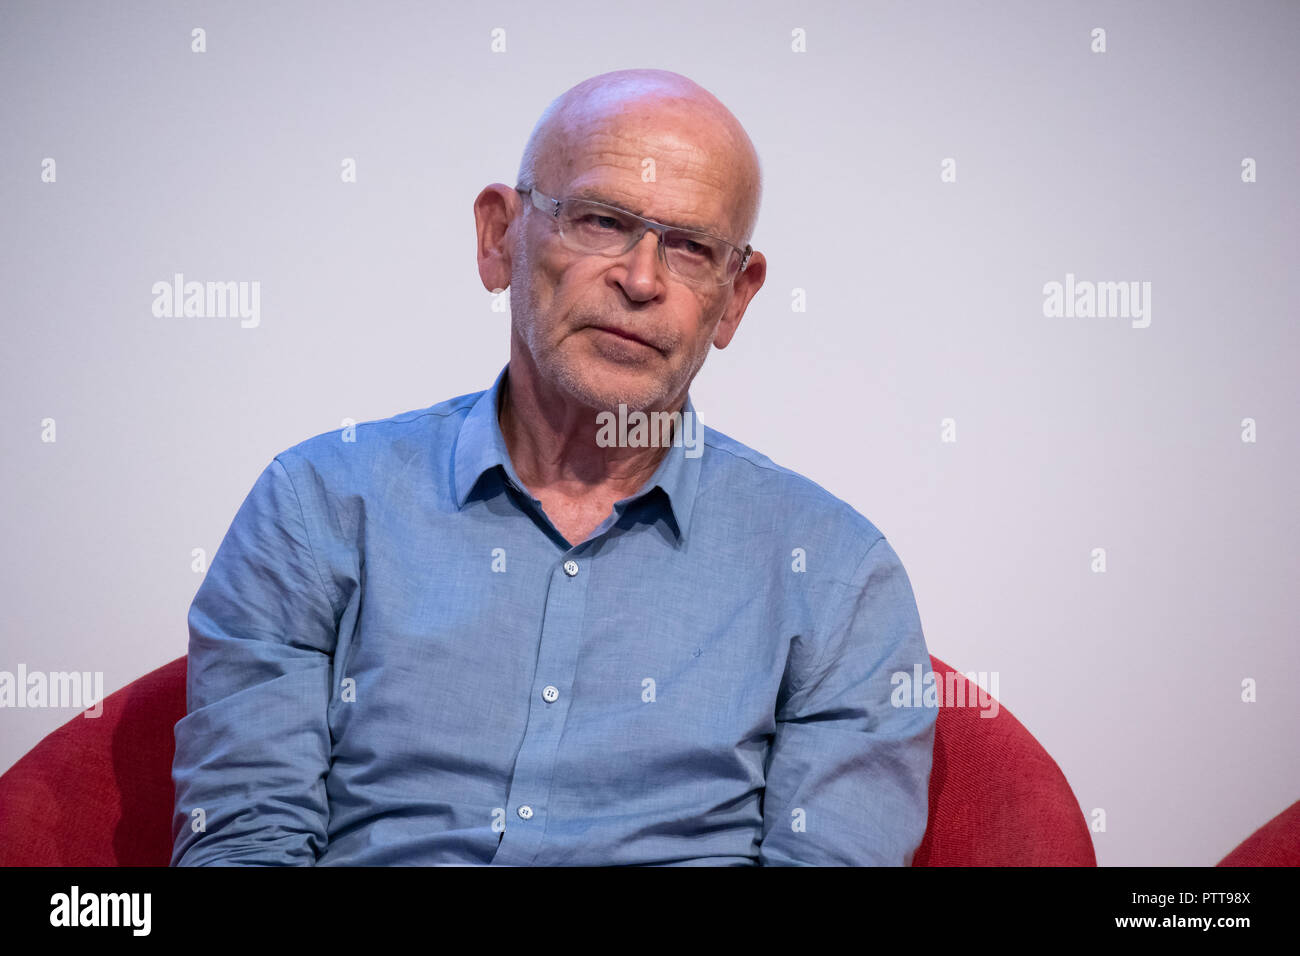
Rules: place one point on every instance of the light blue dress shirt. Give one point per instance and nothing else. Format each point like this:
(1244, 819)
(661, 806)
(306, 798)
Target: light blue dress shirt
(395, 658)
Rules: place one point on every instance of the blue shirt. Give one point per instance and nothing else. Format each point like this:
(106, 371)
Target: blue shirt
(395, 658)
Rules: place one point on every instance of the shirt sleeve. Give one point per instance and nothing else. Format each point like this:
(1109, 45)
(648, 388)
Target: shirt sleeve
(848, 772)
(253, 750)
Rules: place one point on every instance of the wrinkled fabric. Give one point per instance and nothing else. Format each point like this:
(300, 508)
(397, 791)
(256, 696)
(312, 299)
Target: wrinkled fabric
(389, 664)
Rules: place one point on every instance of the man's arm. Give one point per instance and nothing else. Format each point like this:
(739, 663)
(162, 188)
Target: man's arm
(848, 773)
(253, 750)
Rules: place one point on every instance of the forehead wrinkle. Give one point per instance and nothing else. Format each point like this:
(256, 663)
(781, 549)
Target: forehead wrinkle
(702, 159)
(614, 193)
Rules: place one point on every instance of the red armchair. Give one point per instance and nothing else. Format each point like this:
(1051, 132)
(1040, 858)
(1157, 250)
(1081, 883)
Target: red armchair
(98, 792)
(997, 798)
(1276, 843)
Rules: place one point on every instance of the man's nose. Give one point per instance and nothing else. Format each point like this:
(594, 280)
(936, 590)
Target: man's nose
(643, 267)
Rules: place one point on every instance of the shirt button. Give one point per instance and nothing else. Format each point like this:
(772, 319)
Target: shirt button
(550, 693)
(570, 568)
(525, 812)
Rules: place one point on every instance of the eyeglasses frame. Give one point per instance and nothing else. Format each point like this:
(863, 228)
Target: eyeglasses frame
(551, 207)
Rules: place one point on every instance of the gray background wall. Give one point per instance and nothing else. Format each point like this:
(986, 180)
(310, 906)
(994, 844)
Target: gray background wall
(924, 302)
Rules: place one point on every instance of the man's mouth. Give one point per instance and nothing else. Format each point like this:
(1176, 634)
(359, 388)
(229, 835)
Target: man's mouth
(624, 334)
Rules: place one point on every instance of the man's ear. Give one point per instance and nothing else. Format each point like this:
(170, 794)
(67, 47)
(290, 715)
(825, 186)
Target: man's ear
(496, 208)
(745, 286)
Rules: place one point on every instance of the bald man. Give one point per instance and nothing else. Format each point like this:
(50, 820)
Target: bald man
(559, 621)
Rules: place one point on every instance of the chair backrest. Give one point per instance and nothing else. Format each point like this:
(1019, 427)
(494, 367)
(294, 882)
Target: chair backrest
(1276, 843)
(98, 791)
(997, 798)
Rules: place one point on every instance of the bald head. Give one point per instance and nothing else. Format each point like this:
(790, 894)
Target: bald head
(595, 330)
(698, 136)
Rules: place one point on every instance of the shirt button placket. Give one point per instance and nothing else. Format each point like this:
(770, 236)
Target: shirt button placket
(557, 661)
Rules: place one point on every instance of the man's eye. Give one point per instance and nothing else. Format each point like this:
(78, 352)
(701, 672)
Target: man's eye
(691, 247)
(605, 223)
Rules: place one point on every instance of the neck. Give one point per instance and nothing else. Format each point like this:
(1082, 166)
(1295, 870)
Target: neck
(552, 444)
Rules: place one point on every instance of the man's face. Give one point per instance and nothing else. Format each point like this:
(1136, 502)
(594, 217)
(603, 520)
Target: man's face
(608, 330)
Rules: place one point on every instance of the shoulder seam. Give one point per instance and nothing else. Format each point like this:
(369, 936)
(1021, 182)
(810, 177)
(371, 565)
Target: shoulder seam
(415, 416)
(808, 484)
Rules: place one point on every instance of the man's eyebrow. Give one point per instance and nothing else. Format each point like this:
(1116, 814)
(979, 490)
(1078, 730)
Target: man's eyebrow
(586, 192)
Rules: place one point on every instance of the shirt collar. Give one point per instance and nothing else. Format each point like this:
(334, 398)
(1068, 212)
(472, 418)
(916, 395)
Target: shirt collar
(480, 447)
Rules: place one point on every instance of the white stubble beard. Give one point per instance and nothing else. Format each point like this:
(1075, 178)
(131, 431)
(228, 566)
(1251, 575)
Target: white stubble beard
(554, 366)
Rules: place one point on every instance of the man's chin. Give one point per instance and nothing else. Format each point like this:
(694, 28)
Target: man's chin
(605, 389)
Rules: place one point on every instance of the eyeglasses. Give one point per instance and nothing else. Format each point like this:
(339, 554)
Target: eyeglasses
(596, 227)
